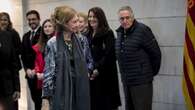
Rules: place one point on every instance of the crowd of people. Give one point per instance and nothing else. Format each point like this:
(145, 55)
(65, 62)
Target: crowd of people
(70, 61)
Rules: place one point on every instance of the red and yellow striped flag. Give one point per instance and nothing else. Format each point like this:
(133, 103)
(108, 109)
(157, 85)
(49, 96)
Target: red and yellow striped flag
(189, 57)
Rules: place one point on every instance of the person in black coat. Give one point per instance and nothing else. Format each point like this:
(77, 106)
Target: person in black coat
(9, 66)
(104, 79)
(139, 59)
(6, 25)
(28, 55)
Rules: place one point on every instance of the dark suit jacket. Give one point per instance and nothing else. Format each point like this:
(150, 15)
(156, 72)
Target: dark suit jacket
(28, 54)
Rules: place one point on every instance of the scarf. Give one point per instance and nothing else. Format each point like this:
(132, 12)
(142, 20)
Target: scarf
(63, 94)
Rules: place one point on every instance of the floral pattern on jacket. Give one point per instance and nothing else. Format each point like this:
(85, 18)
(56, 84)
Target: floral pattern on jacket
(50, 67)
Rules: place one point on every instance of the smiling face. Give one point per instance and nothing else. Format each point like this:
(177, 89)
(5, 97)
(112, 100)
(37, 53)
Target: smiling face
(48, 28)
(93, 21)
(33, 21)
(4, 22)
(82, 24)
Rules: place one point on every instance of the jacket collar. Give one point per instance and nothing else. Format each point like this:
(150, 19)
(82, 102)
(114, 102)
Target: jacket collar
(35, 30)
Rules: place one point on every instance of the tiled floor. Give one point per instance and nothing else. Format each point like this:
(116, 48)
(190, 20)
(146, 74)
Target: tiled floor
(23, 98)
(24, 102)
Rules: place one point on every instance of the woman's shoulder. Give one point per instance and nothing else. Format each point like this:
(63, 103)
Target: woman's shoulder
(51, 41)
(51, 45)
(109, 31)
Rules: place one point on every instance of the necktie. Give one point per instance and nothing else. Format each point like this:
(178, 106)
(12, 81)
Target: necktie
(32, 34)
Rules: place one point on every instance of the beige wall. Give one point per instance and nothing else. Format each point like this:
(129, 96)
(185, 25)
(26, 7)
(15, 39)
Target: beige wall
(14, 8)
(165, 17)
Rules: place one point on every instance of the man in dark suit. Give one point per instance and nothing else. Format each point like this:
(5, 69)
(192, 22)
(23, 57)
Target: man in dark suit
(28, 55)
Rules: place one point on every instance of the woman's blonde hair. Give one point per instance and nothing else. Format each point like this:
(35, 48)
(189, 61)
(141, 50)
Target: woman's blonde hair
(83, 15)
(62, 15)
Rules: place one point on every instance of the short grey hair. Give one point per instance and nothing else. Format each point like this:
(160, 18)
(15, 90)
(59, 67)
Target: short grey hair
(128, 8)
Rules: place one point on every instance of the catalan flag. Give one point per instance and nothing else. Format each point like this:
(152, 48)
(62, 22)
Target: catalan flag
(189, 57)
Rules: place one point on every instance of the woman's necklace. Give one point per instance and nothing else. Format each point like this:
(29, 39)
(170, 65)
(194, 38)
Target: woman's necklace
(68, 41)
(69, 44)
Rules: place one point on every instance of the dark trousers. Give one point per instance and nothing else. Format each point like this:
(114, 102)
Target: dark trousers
(35, 93)
(100, 98)
(138, 97)
(95, 95)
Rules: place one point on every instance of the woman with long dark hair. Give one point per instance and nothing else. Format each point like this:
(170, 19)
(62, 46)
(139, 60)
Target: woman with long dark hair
(47, 31)
(104, 79)
(9, 63)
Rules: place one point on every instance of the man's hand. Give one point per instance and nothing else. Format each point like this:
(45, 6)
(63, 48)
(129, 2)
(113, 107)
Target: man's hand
(40, 76)
(45, 104)
(30, 73)
(16, 95)
(94, 74)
